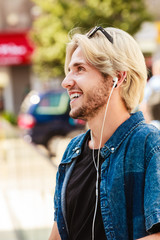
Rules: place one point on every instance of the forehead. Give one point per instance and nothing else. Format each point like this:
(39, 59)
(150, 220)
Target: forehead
(77, 58)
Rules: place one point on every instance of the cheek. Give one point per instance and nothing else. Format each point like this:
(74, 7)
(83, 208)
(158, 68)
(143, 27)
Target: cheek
(81, 81)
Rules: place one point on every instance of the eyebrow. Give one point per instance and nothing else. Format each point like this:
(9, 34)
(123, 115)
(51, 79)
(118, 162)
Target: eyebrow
(76, 64)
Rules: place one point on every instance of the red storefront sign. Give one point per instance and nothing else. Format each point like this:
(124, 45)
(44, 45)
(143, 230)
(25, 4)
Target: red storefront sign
(15, 49)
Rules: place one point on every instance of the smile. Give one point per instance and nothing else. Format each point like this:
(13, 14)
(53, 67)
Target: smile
(74, 95)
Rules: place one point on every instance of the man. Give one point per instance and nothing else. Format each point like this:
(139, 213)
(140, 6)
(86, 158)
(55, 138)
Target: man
(108, 182)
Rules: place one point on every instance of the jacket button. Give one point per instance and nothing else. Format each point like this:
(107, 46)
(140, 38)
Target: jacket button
(112, 149)
(77, 151)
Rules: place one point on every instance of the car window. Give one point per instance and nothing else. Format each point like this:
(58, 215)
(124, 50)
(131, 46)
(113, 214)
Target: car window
(55, 104)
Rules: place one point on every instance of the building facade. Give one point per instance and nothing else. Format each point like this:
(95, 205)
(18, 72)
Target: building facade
(15, 52)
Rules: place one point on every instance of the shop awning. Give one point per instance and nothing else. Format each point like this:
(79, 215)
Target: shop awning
(15, 49)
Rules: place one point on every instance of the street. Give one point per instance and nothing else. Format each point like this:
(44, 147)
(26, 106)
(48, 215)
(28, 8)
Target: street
(27, 182)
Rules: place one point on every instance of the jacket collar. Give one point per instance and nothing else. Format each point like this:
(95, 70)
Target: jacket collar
(123, 131)
(113, 143)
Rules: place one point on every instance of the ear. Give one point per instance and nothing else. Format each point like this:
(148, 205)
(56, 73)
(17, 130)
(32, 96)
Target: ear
(121, 77)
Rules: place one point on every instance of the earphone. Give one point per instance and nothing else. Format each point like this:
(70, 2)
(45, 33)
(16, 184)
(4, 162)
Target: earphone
(115, 80)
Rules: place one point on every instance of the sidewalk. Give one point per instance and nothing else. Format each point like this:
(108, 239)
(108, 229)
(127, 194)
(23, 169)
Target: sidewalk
(27, 182)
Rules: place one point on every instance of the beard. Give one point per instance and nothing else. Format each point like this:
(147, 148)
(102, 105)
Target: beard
(93, 101)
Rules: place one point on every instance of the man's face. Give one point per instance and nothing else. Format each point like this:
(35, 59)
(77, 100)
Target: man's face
(87, 88)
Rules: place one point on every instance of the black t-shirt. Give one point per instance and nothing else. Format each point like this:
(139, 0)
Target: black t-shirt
(80, 199)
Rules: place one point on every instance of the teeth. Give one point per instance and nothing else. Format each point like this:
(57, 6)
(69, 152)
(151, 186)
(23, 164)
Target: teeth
(74, 95)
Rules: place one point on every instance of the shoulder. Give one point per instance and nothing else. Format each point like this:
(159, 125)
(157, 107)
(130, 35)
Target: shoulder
(144, 137)
(147, 140)
(142, 145)
(147, 132)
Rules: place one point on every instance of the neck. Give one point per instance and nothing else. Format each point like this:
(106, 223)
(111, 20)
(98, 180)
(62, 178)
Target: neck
(115, 116)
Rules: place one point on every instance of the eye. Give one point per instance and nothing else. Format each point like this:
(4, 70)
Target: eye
(80, 68)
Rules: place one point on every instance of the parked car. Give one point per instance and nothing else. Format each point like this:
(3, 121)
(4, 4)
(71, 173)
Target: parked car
(46, 115)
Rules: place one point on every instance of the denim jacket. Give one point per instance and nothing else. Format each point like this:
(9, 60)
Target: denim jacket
(130, 180)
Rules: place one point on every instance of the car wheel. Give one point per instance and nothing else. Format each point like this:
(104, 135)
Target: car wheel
(52, 145)
(56, 144)
(74, 133)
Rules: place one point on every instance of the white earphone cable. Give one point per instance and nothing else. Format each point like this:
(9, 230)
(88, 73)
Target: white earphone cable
(97, 166)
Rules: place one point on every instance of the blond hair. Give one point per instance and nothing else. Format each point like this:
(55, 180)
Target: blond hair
(123, 55)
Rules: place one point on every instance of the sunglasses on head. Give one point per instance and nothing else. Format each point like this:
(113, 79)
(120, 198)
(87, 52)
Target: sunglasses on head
(94, 30)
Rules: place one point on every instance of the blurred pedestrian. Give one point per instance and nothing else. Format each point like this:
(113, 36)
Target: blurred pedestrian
(151, 103)
(108, 182)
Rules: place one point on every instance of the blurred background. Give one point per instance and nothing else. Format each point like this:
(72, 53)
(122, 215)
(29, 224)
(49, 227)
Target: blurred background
(35, 126)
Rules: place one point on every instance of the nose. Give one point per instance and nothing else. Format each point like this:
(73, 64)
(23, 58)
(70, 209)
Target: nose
(68, 81)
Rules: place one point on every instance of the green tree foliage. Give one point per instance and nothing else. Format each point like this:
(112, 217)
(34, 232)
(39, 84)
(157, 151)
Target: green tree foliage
(50, 29)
